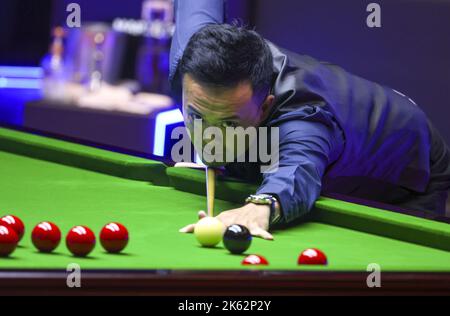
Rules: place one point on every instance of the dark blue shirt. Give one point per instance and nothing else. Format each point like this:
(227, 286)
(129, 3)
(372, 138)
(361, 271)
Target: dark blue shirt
(338, 132)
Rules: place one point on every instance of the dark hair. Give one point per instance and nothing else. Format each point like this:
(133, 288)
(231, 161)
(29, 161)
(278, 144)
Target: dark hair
(224, 55)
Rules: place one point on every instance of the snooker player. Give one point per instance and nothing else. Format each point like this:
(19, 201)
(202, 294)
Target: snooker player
(338, 132)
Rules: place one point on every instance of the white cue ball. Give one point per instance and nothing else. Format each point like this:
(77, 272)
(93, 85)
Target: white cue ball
(209, 231)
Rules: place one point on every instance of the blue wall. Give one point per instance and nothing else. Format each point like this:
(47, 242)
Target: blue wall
(410, 52)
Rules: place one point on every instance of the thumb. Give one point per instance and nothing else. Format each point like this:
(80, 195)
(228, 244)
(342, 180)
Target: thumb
(187, 229)
(201, 214)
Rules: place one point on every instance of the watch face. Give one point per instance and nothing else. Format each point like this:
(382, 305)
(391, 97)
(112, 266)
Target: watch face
(260, 196)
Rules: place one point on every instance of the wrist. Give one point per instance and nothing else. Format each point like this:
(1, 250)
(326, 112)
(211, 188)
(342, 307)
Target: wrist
(260, 207)
(270, 201)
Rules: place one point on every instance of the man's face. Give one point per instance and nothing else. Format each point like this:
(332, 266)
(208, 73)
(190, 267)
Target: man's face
(222, 107)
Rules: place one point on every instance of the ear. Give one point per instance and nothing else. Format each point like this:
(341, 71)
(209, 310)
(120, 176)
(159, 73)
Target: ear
(267, 106)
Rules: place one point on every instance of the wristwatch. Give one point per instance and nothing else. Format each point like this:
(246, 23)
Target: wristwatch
(266, 199)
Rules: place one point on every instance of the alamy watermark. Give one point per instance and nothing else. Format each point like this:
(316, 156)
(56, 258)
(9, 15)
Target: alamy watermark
(374, 277)
(73, 279)
(219, 146)
(74, 17)
(373, 20)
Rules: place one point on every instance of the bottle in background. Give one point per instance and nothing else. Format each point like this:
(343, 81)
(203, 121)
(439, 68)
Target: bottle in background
(152, 66)
(96, 76)
(53, 66)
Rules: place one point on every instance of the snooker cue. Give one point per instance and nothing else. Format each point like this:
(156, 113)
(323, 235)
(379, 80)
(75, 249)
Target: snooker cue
(210, 187)
(189, 165)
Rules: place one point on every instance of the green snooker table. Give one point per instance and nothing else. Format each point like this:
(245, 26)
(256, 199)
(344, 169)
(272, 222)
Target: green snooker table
(46, 179)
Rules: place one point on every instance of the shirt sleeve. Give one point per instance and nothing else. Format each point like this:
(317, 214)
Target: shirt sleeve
(190, 16)
(308, 144)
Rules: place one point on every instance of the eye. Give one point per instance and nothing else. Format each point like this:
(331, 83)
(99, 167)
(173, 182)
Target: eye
(229, 124)
(194, 116)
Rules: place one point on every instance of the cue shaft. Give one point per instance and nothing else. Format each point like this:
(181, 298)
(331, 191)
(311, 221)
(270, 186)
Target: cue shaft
(210, 190)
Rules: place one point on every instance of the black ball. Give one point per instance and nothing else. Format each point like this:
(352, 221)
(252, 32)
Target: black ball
(237, 238)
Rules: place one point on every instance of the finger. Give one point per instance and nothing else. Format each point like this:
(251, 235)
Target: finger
(201, 214)
(259, 232)
(187, 229)
(227, 218)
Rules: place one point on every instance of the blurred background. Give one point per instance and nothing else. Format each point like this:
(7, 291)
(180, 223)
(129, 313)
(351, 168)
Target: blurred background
(105, 83)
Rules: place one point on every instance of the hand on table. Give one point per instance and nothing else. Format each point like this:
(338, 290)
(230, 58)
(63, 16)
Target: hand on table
(254, 217)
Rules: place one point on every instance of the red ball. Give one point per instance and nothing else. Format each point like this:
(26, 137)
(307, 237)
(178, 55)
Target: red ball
(80, 241)
(312, 256)
(15, 223)
(255, 260)
(8, 241)
(46, 236)
(114, 237)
